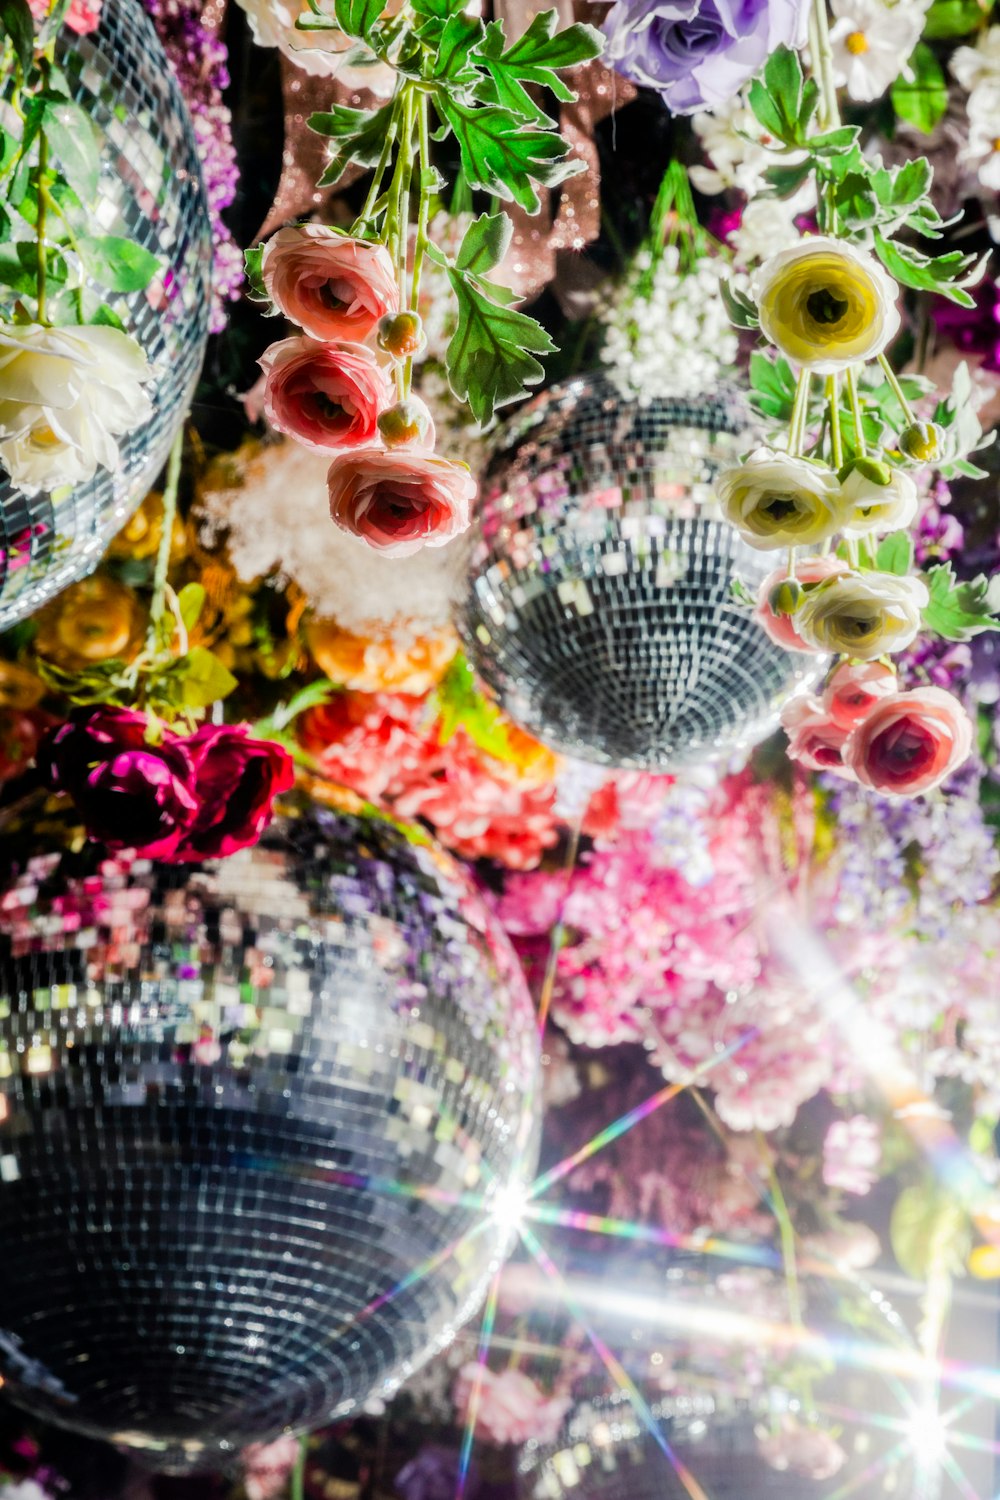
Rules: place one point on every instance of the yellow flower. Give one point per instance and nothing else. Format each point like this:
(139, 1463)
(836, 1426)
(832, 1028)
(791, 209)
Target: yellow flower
(19, 688)
(140, 536)
(777, 501)
(864, 615)
(826, 304)
(90, 622)
(380, 664)
(532, 763)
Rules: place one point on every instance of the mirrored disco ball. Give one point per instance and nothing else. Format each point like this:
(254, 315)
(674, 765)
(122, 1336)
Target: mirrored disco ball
(599, 610)
(151, 192)
(264, 1126)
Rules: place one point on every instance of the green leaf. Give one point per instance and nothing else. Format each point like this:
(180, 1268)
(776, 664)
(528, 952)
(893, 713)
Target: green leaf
(454, 50)
(190, 603)
(921, 99)
(895, 554)
(535, 58)
(502, 156)
(929, 273)
(461, 706)
(203, 678)
(766, 110)
(929, 1231)
(834, 142)
(948, 18)
(484, 244)
(357, 17)
(117, 263)
(959, 611)
(73, 142)
(491, 355)
(773, 385)
(251, 266)
(788, 180)
(742, 312)
(107, 317)
(15, 275)
(17, 24)
(359, 133)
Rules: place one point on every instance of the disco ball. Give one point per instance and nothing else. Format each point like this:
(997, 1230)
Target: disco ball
(264, 1126)
(151, 192)
(599, 610)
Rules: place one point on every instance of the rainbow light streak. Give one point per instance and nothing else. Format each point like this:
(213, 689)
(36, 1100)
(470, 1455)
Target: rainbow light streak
(624, 1229)
(625, 1122)
(874, 1469)
(614, 1367)
(417, 1273)
(485, 1334)
(365, 1182)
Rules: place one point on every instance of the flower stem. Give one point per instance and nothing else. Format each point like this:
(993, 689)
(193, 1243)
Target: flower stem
(852, 395)
(836, 437)
(797, 421)
(40, 256)
(897, 389)
(379, 173)
(298, 1485)
(157, 607)
(829, 110)
(423, 213)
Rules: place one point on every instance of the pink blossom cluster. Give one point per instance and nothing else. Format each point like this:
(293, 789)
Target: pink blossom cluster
(328, 389)
(510, 1407)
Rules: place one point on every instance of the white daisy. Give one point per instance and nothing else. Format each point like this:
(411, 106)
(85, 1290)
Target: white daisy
(981, 63)
(871, 44)
(982, 151)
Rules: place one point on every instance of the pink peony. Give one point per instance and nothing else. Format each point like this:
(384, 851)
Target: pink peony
(910, 743)
(332, 286)
(854, 688)
(400, 501)
(781, 628)
(815, 739)
(852, 1151)
(511, 1408)
(326, 396)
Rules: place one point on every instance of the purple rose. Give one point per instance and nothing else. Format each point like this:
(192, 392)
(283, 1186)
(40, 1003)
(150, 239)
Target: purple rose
(699, 53)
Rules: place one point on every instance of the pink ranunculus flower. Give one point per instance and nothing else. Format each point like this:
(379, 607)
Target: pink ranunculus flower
(855, 688)
(781, 628)
(267, 1467)
(332, 286)
(511, 1407)
(326, 396)
(400, 501)
(852, 1151)
(910, 743)
(81, 17)
(815, 739)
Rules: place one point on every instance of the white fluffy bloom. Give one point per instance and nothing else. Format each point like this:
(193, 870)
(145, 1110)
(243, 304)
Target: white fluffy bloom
(767, 225)
(65, 395)
(871, 43)
(980, 64)
(738, 147)
(675, 341)
(322, 53)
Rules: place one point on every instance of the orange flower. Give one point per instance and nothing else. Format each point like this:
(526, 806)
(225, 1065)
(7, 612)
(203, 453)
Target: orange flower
(140, 536)
(19, 688)
(533, 764)
(378, 664)
(90, 622)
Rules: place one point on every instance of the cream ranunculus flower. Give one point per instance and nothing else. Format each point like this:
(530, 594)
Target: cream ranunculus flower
(323, 52)
(65, 395)
(826, 304)
(879, 507)
(778, 501)
(863, 615)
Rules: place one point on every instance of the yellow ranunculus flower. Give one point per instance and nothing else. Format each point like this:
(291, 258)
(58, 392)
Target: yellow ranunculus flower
(864, 615)
(826, 304)
(381, 664)
(19, 688)
(90, 622)
(777, 501)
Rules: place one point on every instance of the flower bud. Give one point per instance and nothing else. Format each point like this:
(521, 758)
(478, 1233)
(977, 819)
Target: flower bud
(408, 421)
(401, 334)
(785, 597)
(921, 441)
(871, 469)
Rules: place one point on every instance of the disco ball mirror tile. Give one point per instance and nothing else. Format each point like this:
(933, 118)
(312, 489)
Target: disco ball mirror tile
(259, 1122)
(151, 192)
(600, 610)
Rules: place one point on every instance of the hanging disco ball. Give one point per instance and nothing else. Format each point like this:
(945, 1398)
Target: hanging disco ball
(600, 611)
(151, 192)
(263, 1127)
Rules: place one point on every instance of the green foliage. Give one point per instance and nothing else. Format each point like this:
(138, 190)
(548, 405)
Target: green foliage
(929, 1231)
(946, 274)
(951, 18)
(491, 356)
(73, 142)
(502, 155)
(895, 554)
(533, 59)
(772, 386)
(920, 94)
(742, 312)
(959, 611)
(18, 26)
(359, 136)
(460, 705)
(119, 264)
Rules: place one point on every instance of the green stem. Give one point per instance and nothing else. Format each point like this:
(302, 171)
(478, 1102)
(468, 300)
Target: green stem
(797, 421)
(897, 389)
(828, 113)
(852, 396)
(376, 182)
(397, 210)
(423, 214)
(836, 437)
(791, 562)
(298, 1486)
(157, 607)
(40, 256)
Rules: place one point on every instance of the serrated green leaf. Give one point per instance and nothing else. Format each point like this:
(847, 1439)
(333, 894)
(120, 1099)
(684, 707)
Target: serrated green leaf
(454, 51)
(787, 180)
(484, 244)
(834, 142)
(772, 385)
(359, 133)
(783, 81)
(491, 356)
(766, 110)
(119, 264)
(922, 98)
(357, 17)
(461, 706)
(930, 273)
(959, 611)
(251, 265)
(895, 554)
(535, 57)
(948, 18)
(17, 24)
(73, 142)
(503, 156)
(15, 275)
(741, 311)
(203, 678)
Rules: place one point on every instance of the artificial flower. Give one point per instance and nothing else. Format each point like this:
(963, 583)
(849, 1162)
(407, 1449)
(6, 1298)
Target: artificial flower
(21, 733)
(267, 1467)
(401, 500)
(863, 615)
(826, 304)
(854, 688)
(333, 286)
(81, 18)
(408, 421)
(852, 1151)
(766, 226)
(876, 508)
(980, 64)
(140, 536)
(130, 794)
(871, 43)
(92, 621)
(807, 1451)
(981, 151)
(739, 149)
(910, 743)
(381, 664)
(236, 779)
(808, 571)
(815, 739)
(698, 53)
(778, 501)
(325, 52)
(327, 396)
(65, 395)
(19, 688)
(510, 1407)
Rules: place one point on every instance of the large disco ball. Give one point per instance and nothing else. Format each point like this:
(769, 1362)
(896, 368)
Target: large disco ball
(600, 610)
(151, 192)
(264, 1126)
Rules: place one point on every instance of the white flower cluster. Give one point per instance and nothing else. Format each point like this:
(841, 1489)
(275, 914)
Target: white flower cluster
(738, 149)
(871, 43)
(675, 341)
(978, 70)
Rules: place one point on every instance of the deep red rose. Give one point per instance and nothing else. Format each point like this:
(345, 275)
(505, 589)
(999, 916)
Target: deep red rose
(237, 779)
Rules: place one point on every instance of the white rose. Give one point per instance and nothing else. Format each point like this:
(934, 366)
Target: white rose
(322, 52)
(863, 615)
(879, 507)
(777, 501)
(65, 395)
